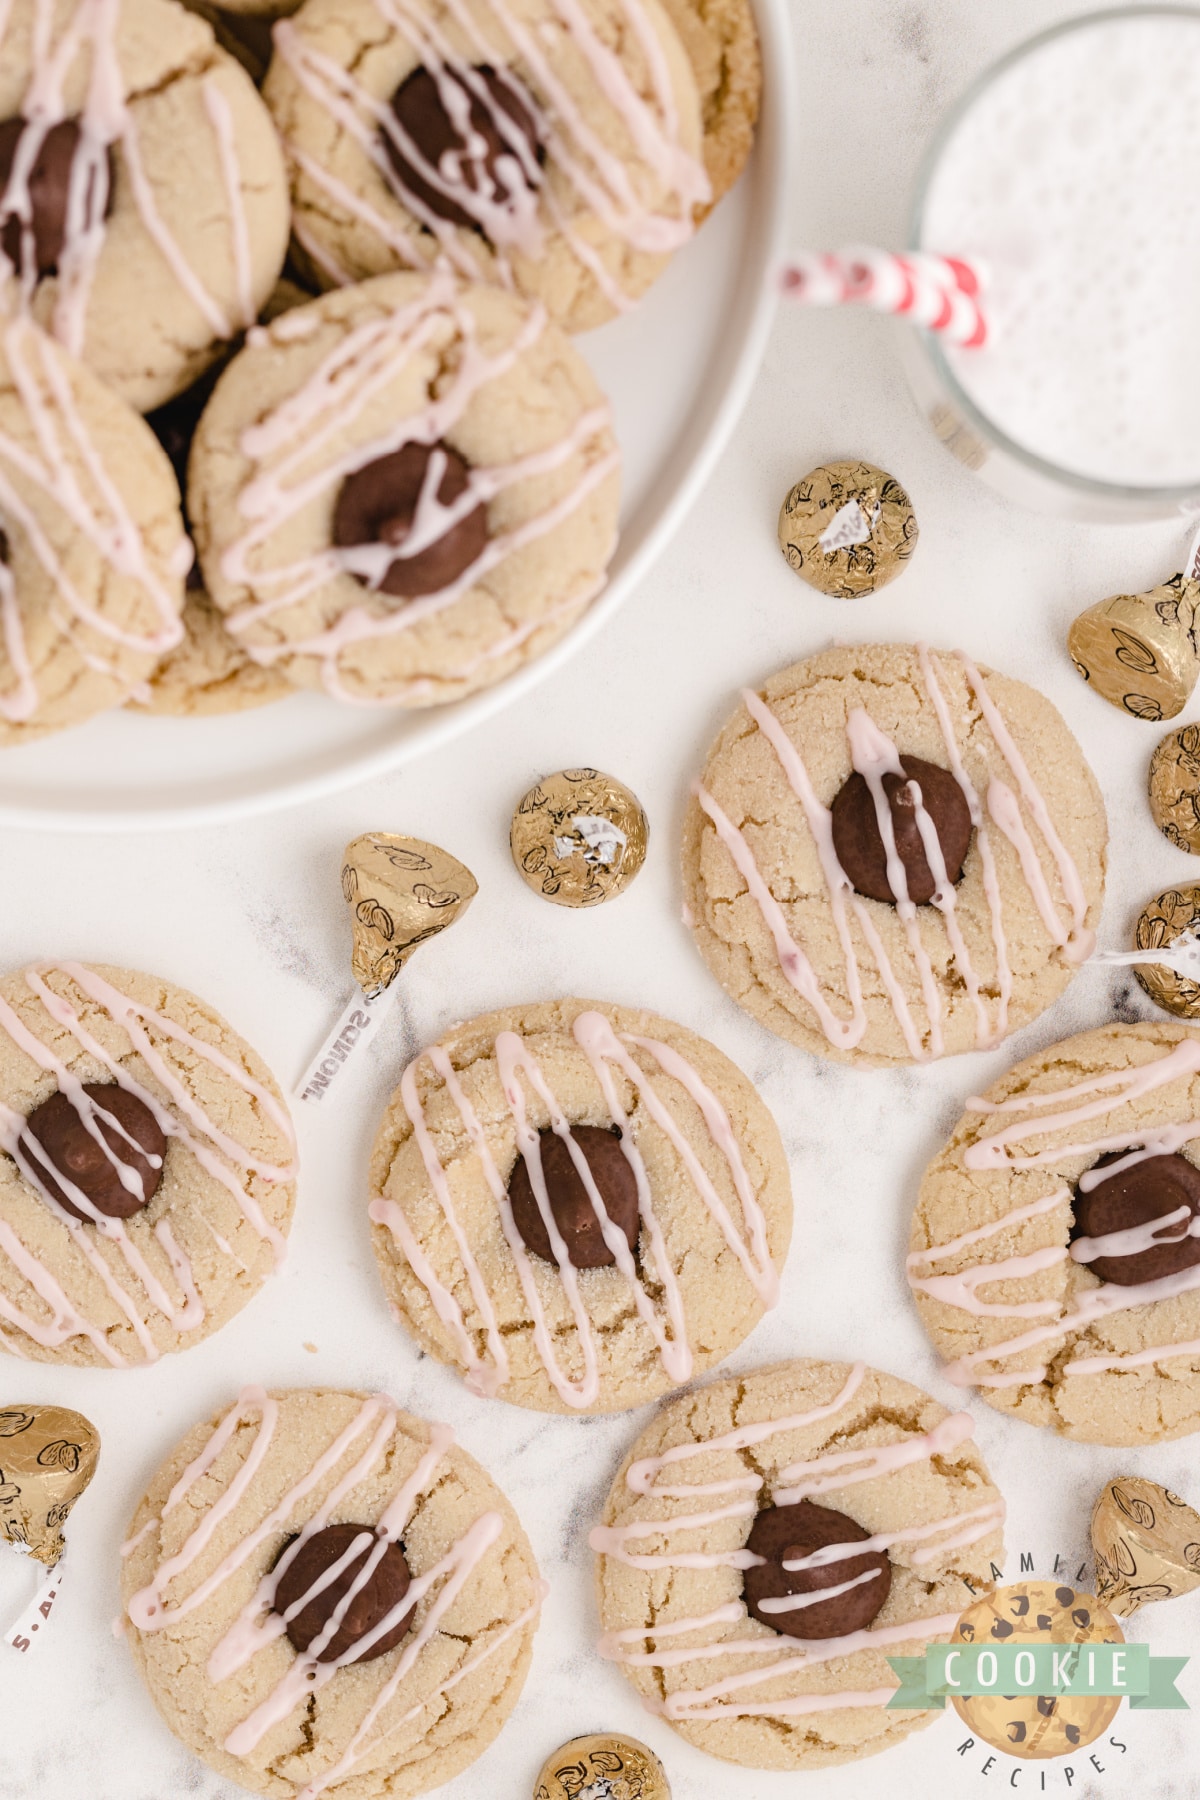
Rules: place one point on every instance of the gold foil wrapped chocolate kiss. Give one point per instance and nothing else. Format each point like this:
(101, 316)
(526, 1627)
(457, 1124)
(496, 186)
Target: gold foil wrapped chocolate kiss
(1175, 787)
(1140, 651)
(1146, 1542)
(400, 891)
(848, 528)
(579, 837)
(47, 1457)
(605, 1767)
(1171, 922)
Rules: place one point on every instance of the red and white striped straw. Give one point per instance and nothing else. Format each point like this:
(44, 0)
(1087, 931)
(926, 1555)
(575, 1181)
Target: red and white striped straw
(942, 293)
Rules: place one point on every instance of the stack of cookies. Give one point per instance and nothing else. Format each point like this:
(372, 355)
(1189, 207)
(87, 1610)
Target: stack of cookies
(371, 460)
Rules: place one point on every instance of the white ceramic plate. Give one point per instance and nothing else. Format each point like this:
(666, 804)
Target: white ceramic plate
(678, 371)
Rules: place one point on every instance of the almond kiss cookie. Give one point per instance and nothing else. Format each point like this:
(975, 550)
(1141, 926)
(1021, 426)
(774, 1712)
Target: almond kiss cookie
(893, 855)
(578, 1206)
(551, 146)
(146, 1167)
(1055, 1248)
(143, 199)
(721, 40)
(405, 490)
(92, 545)
(771, 1540)
(324, 1594)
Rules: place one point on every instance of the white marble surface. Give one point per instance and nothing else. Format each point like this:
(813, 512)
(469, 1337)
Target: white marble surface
(252, 918)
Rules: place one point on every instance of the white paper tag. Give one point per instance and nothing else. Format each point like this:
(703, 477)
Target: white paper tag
(31, 1624)
(1191, 567)
(849, 525)
(358, 1021)
(1183, 956)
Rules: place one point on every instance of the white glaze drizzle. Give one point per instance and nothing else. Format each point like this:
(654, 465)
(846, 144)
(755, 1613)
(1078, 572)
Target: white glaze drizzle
(834, 1469)
(874, 755)
(513, 211)
(323, 410)
(604, 1049)
(184, 1119)
(107, 123)
(1096, 1098)
(258, 1625)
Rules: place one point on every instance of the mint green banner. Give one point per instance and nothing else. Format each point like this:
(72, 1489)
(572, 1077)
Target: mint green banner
(1125, 1669)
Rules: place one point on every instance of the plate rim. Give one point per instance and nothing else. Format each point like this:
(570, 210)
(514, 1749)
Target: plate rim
(774, 149)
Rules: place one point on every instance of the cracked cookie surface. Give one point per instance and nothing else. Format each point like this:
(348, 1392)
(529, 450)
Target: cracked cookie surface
(270, 1471)
(846, 975)
(329, 395)
(593, 115)
(990, 1255)
(852, 1438)
(120, 1291)
(721, 40)
(711, 1231)
(185, 178)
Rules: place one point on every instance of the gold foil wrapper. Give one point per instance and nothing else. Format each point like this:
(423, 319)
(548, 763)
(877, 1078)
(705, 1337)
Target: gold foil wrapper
(579, 837)
(847, 528)
(1160, 924)
(1033, 1725)
(400, 892)
(1140, 651)
(1175, 787)
(1146, 1542)
(47, 1457)
(606, 1767)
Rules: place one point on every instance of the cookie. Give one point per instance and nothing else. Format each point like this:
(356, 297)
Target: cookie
(144, 210)
(841, 1517)
(583, 168)
(147, 1178)
(404, 491)
(866, 952)
(533, 1116)
(388, 1677)
(209, 672)
(92, 545)
(721, 40)
(1055, 1250)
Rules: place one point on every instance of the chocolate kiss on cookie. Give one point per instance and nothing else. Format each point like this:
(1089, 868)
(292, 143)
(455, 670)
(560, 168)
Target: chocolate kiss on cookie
(1147, 1190)
(48, 187)
(570, 1201)
(378, 504)
(859, 845)
(383, 1590)
(119, 1176)
(496, 175)
(785, 1534)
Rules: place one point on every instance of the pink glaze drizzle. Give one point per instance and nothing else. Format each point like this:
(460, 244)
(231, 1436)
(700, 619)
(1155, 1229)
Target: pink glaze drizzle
(257, 1625)
(834, 1469)
(602, 1047)
(874, 755)
(322, 412)
(513, 212)
(219, 1153)
(1072, 1311)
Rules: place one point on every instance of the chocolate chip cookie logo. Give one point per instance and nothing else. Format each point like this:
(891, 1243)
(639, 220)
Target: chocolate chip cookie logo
(1037, 1669)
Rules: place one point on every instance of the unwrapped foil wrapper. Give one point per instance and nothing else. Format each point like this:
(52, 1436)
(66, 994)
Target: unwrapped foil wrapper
(47, 1457)
(605, 1767)
(1160, 924)
(400, 891)
(1146, 1542)
(1140, 651)
(848, 528)
(579, 837)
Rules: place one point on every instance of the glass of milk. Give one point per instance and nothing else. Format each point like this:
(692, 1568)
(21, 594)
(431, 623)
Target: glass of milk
(1071, 174)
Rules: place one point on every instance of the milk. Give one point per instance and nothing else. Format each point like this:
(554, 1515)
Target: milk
(1073, 175)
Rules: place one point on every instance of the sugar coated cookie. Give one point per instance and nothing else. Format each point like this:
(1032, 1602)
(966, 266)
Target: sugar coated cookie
(324, 1594)
(1055, 1249)
(148, 1181)
(500, 1149)
(893, 854)
(772, 1539)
